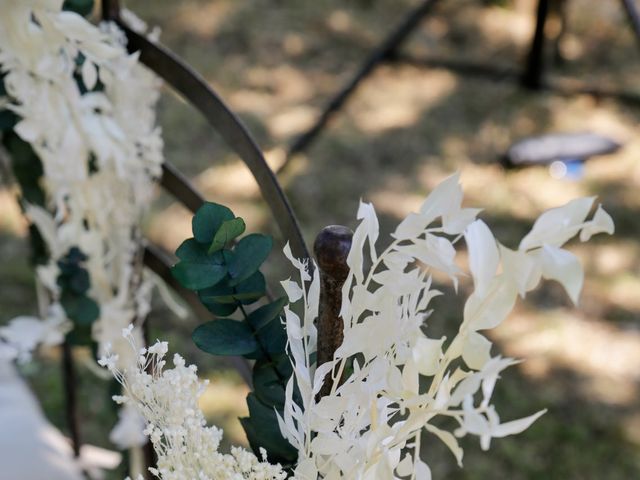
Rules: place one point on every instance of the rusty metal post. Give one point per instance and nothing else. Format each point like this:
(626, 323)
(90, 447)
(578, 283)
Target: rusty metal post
(331, 249)
(71, 396)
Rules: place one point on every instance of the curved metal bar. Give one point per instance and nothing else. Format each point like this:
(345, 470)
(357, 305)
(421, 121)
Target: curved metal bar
(174, 182)
(196, 90)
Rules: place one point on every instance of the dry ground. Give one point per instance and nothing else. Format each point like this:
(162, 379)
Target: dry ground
(277, 61)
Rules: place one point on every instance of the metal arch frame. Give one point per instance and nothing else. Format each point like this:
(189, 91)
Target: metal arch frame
(195, 89)
(190, 84)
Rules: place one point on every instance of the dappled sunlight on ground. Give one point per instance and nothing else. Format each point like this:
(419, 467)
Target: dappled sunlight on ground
(404, 131)
(605, 356)
(397, 97)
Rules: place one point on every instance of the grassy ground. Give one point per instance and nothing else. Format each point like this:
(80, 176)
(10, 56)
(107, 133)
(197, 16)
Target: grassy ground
(405, 129)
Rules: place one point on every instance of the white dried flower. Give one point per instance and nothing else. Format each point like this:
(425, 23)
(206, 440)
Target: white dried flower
(99, 145)
(370, 425)
(187, 448)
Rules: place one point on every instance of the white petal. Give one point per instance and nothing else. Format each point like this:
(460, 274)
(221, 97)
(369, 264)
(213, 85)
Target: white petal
(445, 199)
(483, 255)
(522, 268)
(410, 377)
(516, 426)
(292, 289)
(476, 350)
(563, 266)
(601, 223)
(426, 354)
(89, 74)
(455, 223)
(306, 470)
(411, 227)
(405, 467)
(489, 312)
(556, 226)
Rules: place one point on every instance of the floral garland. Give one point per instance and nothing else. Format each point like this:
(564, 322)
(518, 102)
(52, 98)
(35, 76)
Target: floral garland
(87, 109)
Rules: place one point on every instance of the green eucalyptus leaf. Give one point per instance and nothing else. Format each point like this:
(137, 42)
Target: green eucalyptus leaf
(8, 120)
(221, 309)
(265, 314)
(225, 337)
(229, 230)
(79, 281)
(209, 295)
(263, 431)
(252, 288)
(225, 294)
(195, 276)
(81, 7)
(192, 251)
(273, 338)
(208, 220)
(267, 385)
(81, 309)
(80, 335)
(248, 256)
(26, 166)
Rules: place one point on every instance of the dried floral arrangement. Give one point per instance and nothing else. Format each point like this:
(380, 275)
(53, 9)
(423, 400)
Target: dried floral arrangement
(390, 382)
(69, 90)
(77, 117)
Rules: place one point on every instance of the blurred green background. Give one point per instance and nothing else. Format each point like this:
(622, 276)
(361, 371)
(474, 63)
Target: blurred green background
(276, 62)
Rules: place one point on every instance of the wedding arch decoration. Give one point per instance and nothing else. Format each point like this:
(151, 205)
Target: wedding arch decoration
(388, 381)
(79, 124)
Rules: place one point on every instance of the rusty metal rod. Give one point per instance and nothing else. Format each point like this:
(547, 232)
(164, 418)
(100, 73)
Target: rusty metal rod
(331, 249)
(70, 381)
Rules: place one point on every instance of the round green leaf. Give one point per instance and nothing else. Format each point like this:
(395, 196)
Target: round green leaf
(225, 337)
(248, 255)
(262, 430)
(251, 289)
(265, 314)
(209, 298)
(229, 230)
(81, 7)
(192, 251)
(196, 276)
(81, 309)
(267, 385)
(208, 220)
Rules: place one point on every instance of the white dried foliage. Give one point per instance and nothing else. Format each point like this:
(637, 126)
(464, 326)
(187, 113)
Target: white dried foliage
(399, 382)
(167, 398)
(101, 152)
